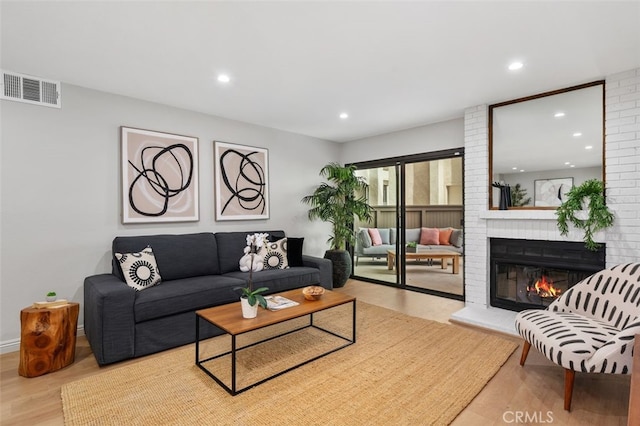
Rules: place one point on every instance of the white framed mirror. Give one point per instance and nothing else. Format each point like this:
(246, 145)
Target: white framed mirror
(542, 145)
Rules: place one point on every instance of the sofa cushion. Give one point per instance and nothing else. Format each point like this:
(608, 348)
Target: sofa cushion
(456, 237)
(231, 247)
(189, 294)
(274, 254)
(384, 235)
(294, 251)
(393, 236)
(177, 256)
(429, 236)
(376, 239)
(444, 235)
(281, 279)
(365, 238)
(139, 269)
(412, 234)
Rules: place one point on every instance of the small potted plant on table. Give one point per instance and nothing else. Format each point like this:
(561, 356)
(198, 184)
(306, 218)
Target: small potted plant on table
(51, 296)
(412, 247)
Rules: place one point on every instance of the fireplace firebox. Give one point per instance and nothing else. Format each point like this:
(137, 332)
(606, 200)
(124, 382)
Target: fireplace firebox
(529, 274)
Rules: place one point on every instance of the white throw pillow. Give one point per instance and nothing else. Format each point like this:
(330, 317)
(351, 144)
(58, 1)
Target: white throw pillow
(274, 254)
(139, 269)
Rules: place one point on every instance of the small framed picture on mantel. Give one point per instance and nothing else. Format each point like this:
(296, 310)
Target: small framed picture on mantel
(551, 192)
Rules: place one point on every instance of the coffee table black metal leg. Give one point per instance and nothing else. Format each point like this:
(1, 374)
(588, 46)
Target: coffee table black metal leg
(197, 339)
(353, 327)
(233, 364)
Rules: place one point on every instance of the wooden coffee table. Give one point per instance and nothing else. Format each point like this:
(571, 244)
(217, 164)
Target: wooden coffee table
(445, 255)
(229, 318)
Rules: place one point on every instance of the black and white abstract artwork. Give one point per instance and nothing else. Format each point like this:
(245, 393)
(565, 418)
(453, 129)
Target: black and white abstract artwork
(159, 177)
(242, 182)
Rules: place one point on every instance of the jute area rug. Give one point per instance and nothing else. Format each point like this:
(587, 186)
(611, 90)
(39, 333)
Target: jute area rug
(401, 371)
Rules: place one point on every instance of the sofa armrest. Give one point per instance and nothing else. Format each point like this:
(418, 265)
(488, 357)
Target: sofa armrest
(325, 267)
(109, 321)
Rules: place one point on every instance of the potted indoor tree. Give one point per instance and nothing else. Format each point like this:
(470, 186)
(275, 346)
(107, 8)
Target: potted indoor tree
(337, 202)
(588, 197)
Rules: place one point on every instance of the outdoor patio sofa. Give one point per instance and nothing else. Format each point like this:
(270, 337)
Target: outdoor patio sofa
(197, 271)
(366, 247)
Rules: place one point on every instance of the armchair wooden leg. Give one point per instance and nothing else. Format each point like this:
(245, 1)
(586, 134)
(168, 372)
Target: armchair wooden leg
(525, 352)
(569, 376)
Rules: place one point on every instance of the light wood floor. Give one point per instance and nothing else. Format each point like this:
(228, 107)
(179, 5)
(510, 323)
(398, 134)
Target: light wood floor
(532, 394)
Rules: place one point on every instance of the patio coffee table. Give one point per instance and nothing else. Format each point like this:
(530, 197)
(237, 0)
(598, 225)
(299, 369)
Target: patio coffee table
(428, 254)
(229, 318)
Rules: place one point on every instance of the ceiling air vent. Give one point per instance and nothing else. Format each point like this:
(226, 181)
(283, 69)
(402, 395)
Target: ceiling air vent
(29, 89)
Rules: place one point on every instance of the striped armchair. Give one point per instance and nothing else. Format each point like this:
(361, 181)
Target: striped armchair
(590, 328)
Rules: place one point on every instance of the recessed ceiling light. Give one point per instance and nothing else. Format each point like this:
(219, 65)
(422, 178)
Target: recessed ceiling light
(566, 163)
(521, 170)
(577, 134)
(573, 165)
(344, 115)
(514, 168)
(223, 78)
(558, 114)
(514, 66)
(588, 147)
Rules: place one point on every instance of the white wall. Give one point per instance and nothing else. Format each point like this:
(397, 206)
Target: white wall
(60, 190)
(434, 137)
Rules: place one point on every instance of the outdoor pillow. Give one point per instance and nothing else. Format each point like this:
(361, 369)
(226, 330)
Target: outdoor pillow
(384, 235)
(412, 234)
(393, 236)
(365, 239)
(456, 238)
(429, 236)
(376, 240)
(140, 269)
(444, 235)
(294, 251)
(274, 254)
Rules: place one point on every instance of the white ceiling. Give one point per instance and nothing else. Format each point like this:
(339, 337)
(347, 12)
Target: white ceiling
(296, 65)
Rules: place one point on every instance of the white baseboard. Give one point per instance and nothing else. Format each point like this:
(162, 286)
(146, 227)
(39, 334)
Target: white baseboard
(13, 345)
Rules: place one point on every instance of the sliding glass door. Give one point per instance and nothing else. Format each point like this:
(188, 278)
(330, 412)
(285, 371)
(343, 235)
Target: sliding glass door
(373, 243)
(414, 239)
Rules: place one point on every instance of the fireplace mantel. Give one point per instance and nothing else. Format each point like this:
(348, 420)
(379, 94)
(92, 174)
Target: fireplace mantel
(518, 215)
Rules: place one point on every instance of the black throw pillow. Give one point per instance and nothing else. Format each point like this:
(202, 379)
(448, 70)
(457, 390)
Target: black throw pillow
(294, 251)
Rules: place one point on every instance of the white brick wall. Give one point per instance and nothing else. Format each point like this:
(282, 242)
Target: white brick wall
(622, 168)
(622, 165)
(476, 193)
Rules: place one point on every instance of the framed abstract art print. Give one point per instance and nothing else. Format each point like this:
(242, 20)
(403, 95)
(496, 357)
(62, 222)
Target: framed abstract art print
(241, 181)
(159, 177)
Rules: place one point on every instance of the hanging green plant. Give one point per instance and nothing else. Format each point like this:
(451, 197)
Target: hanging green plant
(598, 215)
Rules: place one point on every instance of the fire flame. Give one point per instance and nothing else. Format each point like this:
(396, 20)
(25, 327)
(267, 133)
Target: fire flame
(544, 288)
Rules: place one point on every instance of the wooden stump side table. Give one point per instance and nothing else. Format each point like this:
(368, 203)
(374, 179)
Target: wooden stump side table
(47, 339)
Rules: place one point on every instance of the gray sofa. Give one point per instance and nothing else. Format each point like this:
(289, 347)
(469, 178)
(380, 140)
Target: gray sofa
(365, 248)
(198, 271)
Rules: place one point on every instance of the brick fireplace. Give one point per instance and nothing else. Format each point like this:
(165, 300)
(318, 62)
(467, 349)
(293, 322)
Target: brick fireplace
(622, 174)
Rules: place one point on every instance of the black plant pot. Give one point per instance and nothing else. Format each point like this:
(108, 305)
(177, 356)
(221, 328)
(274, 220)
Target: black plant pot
(341, 260)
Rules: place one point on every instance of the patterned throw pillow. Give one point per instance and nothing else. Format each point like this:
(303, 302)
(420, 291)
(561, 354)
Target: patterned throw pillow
(274, 254)
(139, 269)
